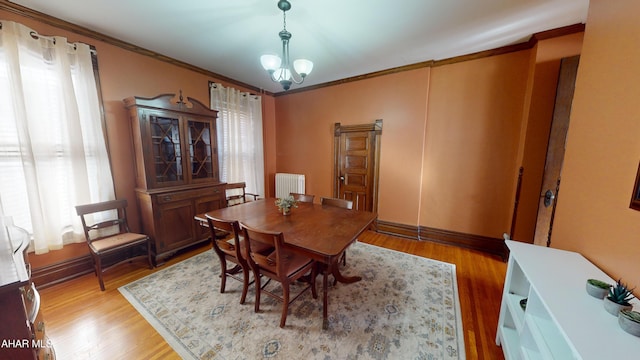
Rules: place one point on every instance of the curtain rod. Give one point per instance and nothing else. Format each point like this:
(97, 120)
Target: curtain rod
(34, 34)
(214, 85)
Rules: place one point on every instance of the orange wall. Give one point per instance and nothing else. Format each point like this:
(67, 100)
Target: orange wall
(450, 140)
(304, 135)
(472, 139)
(123, 74)
(603, 147)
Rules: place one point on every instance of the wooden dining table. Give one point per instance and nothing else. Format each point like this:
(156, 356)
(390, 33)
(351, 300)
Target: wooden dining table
(320, 232)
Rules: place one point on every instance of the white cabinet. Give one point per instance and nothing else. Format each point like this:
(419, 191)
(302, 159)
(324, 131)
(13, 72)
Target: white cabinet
(560, 321)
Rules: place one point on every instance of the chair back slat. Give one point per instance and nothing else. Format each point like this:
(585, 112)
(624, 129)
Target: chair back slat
(102, 206)
(342, 203)
(105, 224)
(306, 198)
(264, 261)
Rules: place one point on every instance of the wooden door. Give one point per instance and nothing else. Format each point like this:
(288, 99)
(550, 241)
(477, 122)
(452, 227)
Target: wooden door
(357, 154)
(555, 151)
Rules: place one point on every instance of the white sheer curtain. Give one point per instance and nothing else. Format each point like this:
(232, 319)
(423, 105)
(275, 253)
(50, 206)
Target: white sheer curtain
(53, 153)
(240, 150)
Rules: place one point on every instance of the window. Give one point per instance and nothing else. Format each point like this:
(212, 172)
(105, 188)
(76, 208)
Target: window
(52, 149)
(239, 127)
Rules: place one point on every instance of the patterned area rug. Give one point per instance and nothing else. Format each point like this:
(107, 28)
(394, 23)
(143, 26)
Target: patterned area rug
(405, 307)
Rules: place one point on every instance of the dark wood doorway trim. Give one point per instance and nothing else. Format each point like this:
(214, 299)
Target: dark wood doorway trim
(552, 175)
(339, 129)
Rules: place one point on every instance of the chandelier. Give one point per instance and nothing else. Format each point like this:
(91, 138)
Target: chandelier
(280, 68)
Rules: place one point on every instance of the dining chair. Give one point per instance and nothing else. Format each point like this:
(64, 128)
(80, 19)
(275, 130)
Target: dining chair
(236, 193)
(107, 233)
(281, 265)
(229, 248)
(306, 198)
(341, 203)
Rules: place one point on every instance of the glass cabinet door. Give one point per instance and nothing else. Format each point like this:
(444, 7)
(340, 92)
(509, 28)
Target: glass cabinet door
(167, 154)
(203, 160)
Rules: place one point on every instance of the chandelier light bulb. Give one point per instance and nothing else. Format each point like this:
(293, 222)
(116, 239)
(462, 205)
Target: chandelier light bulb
(303, 67)
(270, 62)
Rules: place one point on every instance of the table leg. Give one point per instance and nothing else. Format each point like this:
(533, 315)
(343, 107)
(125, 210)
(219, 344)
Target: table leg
(335, 271)
(325, 300)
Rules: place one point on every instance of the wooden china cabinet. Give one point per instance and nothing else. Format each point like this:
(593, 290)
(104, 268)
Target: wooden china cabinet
(177, 176)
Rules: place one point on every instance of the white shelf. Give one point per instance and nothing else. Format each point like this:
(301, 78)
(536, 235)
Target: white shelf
(529, 345)
(561, 320)
(511, 343)
(513, 303)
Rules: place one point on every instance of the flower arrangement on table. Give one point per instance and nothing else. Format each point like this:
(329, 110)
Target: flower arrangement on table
(286, 203)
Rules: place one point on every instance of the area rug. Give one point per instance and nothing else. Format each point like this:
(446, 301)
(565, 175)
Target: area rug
(405, 307)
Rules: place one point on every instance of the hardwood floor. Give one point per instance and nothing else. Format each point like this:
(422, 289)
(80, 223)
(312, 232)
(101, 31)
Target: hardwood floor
(85, 323)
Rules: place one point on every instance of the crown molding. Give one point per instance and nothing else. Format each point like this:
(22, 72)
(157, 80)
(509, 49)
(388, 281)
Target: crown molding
(53, 21)
(80, 30)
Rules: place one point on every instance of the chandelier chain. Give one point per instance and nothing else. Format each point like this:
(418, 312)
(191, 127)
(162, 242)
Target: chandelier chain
(284, 19)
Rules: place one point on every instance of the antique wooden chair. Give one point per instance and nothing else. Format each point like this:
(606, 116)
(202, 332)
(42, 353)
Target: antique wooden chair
(230, 249)
(107, 233)
(281, 265)
(306, 198)
(341, 203)
(236, 193)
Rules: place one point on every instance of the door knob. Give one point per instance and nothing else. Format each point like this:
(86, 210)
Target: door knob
(342, 178)
(548, 198)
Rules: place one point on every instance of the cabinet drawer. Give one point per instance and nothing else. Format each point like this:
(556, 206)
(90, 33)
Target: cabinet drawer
(188, 194)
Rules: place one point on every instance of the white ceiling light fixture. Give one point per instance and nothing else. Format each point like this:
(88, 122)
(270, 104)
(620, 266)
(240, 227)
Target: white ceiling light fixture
(280, 68)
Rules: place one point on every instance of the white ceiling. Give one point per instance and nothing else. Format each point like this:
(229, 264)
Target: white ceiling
(344, 38)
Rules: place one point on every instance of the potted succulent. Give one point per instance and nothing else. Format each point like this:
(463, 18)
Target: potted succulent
(285, 204)
(597, 288)
(618, 298)
(629, 321)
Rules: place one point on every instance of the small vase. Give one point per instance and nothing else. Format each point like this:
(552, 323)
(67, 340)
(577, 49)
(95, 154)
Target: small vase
(286, 211)
(628, 325)
(614, 308)
(597, 291)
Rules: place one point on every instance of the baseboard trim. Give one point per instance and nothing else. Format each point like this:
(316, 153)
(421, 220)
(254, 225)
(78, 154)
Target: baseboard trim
(485, 244)
(59, 272)
(401, 230)
(72, 268)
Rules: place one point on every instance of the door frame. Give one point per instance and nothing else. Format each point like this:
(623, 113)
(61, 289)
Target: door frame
(556, 146)
(339, 129)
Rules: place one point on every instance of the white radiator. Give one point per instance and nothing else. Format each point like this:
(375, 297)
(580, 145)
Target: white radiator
(289, 183)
